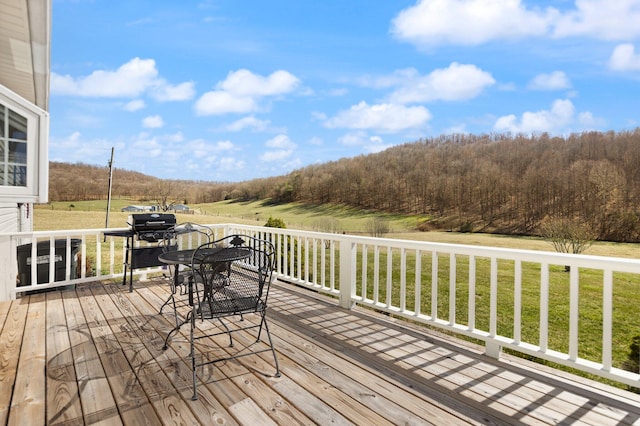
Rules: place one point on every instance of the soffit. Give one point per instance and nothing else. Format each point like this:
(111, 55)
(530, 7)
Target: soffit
(25, 41)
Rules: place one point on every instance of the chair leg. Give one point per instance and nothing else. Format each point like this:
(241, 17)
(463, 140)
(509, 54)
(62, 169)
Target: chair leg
(166, 302)
(228, 332)
(273, 351)
(166, 340)
(175, 330)
(193, 355)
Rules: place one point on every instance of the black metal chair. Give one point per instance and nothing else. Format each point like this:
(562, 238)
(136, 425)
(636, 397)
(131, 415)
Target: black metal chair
(232, 278)
(181, 237)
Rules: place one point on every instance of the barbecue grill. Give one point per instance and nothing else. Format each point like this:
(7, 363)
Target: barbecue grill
(148, 227)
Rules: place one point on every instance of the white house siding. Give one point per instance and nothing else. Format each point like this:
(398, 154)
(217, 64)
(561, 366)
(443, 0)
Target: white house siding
(9, 217)
(16, 217)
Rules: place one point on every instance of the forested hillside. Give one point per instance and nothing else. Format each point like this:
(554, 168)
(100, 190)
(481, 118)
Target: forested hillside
(494, 183)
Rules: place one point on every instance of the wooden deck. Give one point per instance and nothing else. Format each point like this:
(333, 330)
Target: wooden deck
(93, 355)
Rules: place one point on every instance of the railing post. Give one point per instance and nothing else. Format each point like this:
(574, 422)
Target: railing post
(347, 273)
(492, 349)
(8, 268)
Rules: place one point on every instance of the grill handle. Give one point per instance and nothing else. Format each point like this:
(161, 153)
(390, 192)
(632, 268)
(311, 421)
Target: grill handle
(160, 222)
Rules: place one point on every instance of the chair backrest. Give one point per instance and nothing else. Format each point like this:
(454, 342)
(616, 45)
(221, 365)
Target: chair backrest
(186, 235)
(236, 273)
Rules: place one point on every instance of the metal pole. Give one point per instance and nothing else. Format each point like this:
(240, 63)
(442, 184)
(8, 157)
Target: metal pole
(109, 196)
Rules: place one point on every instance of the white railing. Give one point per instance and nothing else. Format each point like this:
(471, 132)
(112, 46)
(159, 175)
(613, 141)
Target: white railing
(558, 307)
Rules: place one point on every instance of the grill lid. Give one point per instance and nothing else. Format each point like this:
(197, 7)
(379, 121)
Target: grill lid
(151, 221)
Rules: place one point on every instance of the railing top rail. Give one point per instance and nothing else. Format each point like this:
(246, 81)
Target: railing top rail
(542, 256)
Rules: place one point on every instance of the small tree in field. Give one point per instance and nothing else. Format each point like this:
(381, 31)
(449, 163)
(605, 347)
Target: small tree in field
(377, 226)
(567, 236)
(274, 222)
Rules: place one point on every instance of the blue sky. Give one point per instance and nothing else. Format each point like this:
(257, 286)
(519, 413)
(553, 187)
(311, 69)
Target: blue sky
(232, 90)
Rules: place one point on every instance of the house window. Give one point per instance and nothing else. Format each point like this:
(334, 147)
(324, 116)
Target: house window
(24, 146)
(13, 148)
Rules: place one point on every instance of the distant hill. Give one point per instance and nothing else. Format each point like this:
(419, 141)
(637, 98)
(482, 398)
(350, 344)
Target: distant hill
(490, 183)
(73, 182)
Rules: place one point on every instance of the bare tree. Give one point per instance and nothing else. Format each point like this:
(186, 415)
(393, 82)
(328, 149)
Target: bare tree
(165, 195)
(567, 236)
(327, 224)
(377, 226)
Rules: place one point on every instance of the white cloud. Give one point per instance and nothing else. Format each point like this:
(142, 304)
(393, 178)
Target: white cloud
(624, 58)
(277, 155)
(362, 139)
(129, 81)
(556, 120)
(454, 83)
(241, 91)
(230, 164)
(200, 148)
(282, 148)
(224, 146)
(249, 122)
(175, 137)
(556, 80)
(280, 141)
(77, 148)
(601, 19)
(474, 22)
(382, 117)
(152, 122)
(396, 78)
(145, 146)
(468, 22)
(245, 83)
(376, 144)
(589, 122)
(358, 138)
(217, 102)
(134, 105)
(164, 92)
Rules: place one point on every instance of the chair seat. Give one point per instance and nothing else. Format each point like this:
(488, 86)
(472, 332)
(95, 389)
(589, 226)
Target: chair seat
(229, 306)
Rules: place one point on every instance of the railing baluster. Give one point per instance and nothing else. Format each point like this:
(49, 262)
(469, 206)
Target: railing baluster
(389, 289)
(607, 319)
(333, 266)
(544, 307)
(403, 279)
(376, 274)
(493, 298)
(517, 301)
(365, 263)
(434, 285)
(418, 283)
(574, 312)
(472, 293)
(452, 288)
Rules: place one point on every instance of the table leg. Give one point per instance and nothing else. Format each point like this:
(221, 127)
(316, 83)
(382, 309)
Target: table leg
(130, 268)
(126, 263)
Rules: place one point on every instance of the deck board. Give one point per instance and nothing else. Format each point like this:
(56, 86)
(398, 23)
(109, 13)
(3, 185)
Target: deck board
(93, 355)
(63, 399)
(11, 337)
(28, 401)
